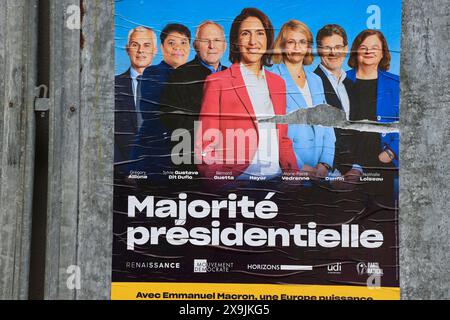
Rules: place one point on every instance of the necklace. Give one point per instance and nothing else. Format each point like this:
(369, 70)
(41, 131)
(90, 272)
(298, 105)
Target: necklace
(294, 73)
(301, 75)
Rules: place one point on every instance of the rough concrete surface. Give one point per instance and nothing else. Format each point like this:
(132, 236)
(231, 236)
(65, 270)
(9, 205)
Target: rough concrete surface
(425, 151)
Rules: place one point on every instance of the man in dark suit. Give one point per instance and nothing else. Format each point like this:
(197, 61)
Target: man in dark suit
(182, 98)
(332, 46)
(141, 48)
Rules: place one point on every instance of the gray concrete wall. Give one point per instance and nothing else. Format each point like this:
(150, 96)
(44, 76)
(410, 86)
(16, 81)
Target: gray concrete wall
(425, 151)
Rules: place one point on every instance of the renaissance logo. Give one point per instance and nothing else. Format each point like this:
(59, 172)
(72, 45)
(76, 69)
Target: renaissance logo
(203, 266)
(152, 265)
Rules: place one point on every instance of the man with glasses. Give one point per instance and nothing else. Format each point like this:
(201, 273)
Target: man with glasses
(182, 98)
(332, 47)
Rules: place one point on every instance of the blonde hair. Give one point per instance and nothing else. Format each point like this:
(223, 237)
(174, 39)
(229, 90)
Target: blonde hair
(280, 41)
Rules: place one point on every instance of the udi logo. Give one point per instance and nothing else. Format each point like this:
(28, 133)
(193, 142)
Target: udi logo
(335, 268)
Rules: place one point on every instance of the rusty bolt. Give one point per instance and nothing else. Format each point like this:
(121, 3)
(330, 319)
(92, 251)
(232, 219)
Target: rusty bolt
(72, 109)
(11, 104)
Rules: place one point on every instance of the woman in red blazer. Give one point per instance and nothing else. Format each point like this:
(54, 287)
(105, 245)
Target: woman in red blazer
(230, 141)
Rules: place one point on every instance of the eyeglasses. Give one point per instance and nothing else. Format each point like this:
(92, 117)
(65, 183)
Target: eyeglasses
(300, 43)
(365, 49)
(328, 49)
(214, 41)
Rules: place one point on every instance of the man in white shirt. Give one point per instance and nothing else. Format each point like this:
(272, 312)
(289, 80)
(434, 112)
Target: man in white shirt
(332, 45)
(332, 48)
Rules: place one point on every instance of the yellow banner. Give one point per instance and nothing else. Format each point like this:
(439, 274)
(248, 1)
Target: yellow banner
(231, 291)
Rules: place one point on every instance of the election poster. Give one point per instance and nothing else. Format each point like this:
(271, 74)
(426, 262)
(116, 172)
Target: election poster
(256, 150)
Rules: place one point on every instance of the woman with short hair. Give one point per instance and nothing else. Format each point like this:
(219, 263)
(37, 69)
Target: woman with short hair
(377, 91)
(376, 95)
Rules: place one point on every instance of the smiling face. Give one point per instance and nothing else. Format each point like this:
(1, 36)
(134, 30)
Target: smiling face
(370, 52)
(210, 44)
(332, 52)
(175, 49)
(252, 41)
(141, 49)
(296, 46)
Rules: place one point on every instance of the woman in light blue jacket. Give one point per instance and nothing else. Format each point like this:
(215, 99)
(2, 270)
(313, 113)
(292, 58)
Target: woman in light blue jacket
(314, 146)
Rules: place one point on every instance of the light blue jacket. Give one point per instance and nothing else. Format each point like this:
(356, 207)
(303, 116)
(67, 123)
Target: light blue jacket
(312, 144)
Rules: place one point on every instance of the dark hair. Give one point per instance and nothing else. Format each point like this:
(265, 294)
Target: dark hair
(235, 53)
(330, 30)
(385, 62)
(174, 27)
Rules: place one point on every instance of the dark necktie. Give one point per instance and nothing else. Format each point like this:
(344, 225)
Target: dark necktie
(138, 103)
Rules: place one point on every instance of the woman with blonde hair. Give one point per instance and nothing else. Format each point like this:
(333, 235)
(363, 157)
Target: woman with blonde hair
(313, 145)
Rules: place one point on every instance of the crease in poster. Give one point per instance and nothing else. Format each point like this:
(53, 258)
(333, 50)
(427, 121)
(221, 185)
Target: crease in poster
(212, 198)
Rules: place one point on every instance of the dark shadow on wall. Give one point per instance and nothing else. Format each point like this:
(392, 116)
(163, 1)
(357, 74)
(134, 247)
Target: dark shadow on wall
(39, 218)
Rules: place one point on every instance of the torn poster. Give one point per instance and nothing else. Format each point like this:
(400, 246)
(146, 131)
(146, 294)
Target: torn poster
(256, 150)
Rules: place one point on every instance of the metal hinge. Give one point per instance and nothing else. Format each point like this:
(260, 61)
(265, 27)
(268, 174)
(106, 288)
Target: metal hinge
(41, 100)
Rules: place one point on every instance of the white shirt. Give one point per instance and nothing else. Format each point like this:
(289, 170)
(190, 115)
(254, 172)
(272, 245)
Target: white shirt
(266, 161)
(341, 92)
(306, 93)
(339, 88)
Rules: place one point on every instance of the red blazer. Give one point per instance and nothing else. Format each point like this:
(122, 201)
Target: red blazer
(227, 105)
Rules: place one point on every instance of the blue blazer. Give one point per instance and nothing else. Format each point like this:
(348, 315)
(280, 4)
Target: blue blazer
(388, 110)
(312, 144)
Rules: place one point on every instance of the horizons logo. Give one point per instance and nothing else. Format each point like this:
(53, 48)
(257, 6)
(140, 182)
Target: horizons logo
(371, 268)
(202, 266)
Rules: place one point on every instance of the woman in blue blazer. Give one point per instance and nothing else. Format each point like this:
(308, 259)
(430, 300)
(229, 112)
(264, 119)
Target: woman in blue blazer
(314, 146)
(376, 95)
(370, 60)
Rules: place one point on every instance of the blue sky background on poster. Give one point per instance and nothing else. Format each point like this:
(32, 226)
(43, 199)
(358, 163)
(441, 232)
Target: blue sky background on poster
(353, 15)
